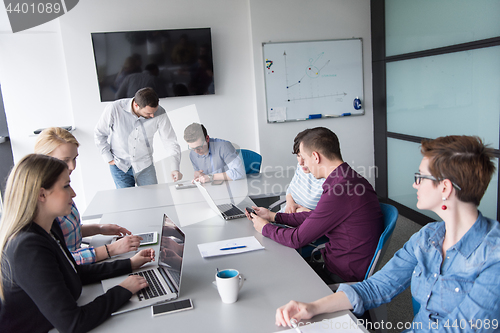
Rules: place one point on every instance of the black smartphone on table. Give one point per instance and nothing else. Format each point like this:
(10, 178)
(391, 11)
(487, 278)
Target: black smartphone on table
(171, 307)
(184, 185)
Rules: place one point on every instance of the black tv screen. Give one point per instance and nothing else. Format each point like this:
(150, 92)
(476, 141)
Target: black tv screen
(175, 62)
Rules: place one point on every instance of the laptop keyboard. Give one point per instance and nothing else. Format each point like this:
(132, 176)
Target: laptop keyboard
(230, 210)
(154, 289)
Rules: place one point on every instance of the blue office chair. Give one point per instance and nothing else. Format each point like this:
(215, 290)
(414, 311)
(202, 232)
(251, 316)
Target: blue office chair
(390, 217)
(416, 306)
(307, 251)
(251, 159)
(390, 214)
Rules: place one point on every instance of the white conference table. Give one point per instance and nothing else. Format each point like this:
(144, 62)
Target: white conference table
(151, 196)
(274, 276)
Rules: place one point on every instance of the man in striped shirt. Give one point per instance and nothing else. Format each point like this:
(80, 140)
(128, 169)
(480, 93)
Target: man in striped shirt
(304, 190)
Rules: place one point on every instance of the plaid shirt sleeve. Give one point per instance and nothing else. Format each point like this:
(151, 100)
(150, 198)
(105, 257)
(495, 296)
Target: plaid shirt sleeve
(70, 226)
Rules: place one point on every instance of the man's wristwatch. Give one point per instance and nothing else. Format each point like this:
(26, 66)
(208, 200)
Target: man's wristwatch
(210, 178)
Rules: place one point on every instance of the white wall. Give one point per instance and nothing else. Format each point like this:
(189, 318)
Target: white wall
(48, 74)
(299, 20)
(232, 104)
(34, 86)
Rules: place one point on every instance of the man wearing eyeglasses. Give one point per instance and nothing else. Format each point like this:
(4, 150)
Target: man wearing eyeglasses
(212, 159)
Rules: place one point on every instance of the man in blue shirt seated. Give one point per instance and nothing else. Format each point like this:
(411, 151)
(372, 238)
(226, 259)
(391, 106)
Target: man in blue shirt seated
(212, 159)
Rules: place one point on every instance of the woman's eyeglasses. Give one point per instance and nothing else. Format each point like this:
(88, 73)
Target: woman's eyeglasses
(419, 177)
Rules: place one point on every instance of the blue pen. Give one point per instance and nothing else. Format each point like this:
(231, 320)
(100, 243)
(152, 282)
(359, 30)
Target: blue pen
(345, 114)
(233, 248)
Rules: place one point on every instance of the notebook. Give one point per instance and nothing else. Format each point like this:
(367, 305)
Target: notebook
(227, 211)
(164, 278)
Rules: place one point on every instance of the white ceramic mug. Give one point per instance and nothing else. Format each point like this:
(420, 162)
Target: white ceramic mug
(229, 283)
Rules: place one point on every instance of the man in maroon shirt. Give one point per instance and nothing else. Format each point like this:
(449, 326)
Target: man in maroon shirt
(348, 212)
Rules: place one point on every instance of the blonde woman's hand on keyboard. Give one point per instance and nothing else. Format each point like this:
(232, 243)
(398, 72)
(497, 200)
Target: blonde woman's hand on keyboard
(134, 283)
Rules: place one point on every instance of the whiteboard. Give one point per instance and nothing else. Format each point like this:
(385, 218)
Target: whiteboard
(313, 79)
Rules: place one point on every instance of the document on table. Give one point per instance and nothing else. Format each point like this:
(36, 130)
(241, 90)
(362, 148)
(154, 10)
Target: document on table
(342, 324)
(229, 246)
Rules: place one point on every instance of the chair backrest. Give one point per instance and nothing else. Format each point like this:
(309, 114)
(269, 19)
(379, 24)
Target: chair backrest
(416, 306)
(251, 159)
(390, 214)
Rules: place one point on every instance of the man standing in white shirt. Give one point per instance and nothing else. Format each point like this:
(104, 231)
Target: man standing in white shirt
(124, 136)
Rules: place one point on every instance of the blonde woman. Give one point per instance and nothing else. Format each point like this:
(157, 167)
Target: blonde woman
(40, 281)
(61, 144)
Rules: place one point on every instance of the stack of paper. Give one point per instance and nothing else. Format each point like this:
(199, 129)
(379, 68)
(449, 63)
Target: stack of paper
(229, 246)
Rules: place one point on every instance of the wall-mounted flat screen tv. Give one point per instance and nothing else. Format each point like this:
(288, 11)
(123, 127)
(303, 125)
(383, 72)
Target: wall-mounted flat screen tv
(174, 62)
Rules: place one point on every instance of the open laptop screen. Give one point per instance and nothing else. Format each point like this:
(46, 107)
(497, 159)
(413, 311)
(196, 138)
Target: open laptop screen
(171, 245)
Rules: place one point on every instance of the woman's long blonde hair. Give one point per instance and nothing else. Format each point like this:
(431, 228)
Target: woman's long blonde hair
(32, 173)
(51, 138)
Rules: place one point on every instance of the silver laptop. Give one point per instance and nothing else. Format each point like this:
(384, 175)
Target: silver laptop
(227, 211)
(165, 279)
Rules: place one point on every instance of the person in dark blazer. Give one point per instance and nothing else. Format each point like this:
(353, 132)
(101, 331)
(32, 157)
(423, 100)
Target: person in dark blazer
(40, 281)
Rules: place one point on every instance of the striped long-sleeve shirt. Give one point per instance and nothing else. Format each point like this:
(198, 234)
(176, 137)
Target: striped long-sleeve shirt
(305, 189)
(70, 226)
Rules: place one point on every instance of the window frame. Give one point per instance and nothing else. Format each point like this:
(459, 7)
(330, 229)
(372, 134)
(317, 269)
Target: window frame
(379, 83)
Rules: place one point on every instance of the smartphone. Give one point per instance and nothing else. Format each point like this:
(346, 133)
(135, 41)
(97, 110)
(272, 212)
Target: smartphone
(217, 182)
(183, 186)
(250, 211)
(148, 238)
(171, 307)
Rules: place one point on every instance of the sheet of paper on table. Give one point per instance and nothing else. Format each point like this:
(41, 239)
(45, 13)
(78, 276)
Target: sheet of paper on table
(229, 246)
(343, 324)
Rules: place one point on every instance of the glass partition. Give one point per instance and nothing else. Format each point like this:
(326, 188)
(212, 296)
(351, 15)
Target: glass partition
(403, 160)
(427, 24)
(454, 93)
